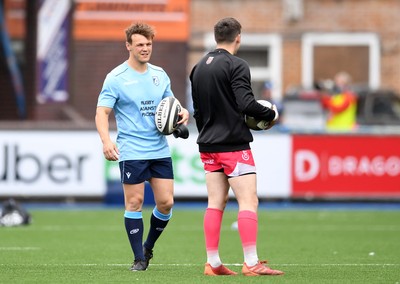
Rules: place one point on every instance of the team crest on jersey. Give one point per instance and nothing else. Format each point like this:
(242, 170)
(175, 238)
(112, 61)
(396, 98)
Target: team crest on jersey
(156, 81)
(209, 59)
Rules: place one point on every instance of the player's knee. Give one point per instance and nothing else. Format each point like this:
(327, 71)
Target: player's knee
(254, 202)
(165, 206)
(249, 204)
(134, 204)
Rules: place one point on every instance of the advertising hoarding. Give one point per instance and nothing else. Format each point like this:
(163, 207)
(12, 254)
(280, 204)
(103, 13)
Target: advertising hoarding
(51, 163)
(71, 163)
(362, 166)
(271, 154)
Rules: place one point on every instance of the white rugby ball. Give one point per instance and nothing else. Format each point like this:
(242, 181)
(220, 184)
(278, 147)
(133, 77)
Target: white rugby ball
(166, 116)
(257, 124)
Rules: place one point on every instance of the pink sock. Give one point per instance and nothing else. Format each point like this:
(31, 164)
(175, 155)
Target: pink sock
(212, 229)
(248, 226)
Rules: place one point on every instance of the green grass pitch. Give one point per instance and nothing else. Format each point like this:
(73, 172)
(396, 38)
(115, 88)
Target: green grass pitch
(311, 246)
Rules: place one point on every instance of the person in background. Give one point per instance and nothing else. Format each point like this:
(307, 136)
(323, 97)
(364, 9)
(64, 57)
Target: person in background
(340, 104)
(222, 96)
(133, 90)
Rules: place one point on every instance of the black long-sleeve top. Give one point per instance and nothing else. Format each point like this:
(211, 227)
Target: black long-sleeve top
(222, 95)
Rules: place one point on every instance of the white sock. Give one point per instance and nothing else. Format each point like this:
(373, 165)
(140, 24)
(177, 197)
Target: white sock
(213, 259)
(250, 255)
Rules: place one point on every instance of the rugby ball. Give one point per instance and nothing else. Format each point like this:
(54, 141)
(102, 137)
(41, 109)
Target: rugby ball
(257, 124)
(166, 116)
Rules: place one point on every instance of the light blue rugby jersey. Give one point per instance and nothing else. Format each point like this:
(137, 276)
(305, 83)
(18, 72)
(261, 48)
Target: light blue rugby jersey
(134, 98)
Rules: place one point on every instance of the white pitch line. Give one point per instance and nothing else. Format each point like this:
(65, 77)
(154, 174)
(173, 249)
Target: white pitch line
(229, 264)
(19, 248)
(294, 264)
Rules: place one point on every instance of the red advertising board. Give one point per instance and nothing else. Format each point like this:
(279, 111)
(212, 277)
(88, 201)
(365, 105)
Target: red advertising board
(345, 166)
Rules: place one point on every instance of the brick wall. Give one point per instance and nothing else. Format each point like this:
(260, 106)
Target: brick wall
(262, 16)
(92, 60)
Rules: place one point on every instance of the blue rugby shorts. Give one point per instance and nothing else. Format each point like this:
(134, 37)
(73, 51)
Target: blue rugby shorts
(138, 171)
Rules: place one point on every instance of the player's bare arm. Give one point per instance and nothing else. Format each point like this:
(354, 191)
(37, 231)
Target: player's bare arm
(110, 150)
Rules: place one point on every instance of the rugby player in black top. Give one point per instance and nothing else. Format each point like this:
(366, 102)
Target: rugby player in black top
(222, 95)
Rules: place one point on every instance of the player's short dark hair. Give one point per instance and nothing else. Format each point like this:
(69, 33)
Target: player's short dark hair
(141, 29)
(226, 30)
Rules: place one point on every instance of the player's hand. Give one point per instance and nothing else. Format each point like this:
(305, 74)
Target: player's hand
(275, 120)
(184, 115)
(110, 151)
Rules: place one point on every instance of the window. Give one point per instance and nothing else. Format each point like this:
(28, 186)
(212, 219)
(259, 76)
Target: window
(324, 54)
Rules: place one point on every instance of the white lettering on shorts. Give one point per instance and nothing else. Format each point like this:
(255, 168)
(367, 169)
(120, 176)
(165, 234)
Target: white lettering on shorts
(210, 161)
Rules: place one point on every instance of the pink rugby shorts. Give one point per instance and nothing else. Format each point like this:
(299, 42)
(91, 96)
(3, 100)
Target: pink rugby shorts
(233, 164)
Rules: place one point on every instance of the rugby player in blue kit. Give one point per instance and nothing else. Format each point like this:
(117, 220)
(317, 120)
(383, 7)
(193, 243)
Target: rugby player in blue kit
(133, 90)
